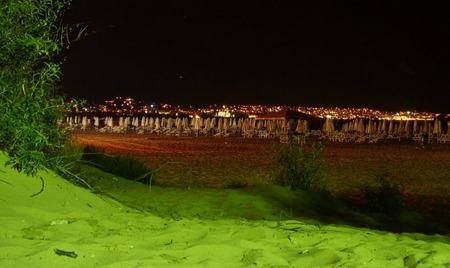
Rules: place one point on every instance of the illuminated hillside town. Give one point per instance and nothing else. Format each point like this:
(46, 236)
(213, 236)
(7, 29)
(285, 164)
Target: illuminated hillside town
(120, 106)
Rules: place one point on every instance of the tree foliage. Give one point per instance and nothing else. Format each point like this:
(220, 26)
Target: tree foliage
(31, 36)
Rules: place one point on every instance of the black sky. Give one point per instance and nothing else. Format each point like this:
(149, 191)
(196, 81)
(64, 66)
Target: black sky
(387, 55)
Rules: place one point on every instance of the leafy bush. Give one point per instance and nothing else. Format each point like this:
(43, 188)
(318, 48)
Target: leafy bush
(298, 169)
(126, 166)
(385, 196)
(30, 37)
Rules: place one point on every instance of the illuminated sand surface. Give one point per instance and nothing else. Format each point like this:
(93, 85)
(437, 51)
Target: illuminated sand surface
(208, 227)
(104, 233)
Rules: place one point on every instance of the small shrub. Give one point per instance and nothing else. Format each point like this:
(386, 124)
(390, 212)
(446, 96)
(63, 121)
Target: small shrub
(385, 196)
(32, 37)
(235, 184)
(298, 169)
(126, 166)
(67, 163)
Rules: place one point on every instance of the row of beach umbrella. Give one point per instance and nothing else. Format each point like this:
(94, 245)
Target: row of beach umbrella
(386, 126)
(249, 124)
(218, 124)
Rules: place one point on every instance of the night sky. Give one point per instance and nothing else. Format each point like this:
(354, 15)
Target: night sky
(386, 55)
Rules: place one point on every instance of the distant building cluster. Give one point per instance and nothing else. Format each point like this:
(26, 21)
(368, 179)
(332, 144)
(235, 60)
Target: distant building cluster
(120, 106)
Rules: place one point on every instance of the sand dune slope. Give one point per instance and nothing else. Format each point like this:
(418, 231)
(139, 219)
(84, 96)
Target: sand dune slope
(91, 231)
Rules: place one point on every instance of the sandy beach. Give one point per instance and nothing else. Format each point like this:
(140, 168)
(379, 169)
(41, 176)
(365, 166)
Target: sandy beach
(219, 162)
(166, 226)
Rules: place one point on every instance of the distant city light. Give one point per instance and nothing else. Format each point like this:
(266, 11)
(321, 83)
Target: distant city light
(130, 106)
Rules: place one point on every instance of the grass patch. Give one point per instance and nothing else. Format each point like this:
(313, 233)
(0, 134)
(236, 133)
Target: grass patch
(67, 163)
(124, 165)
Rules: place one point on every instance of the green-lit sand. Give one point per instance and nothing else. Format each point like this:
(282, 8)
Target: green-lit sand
(196, 228)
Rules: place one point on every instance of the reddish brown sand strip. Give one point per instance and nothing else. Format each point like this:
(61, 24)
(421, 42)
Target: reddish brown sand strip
(223, 162)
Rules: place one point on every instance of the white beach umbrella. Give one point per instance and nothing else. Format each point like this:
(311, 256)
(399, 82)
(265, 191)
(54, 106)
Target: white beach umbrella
(276, 125)
(437, 126)
(225, 123)
(380, 126)
(325, 125)
(170, 123)
(269, 126)
(299, 128)
(157, 123)
(121, 121)
(197, 125)
(84, 121)
(352, 126)
(251, 124)
(384, 128)
(212, 123)
(421, 129)
(240, 123)
(208, 123)
(220, 125)
(178, 123)
(151, 122)
(391, 126)
(425, 127)
(415, 126)
(344, 127)
(401, 127)
(408, 127)
(331, 127)
(245, 125)
(369, 128)
(360, 126)
(96, 121)
(259, 125)
(186, 123)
